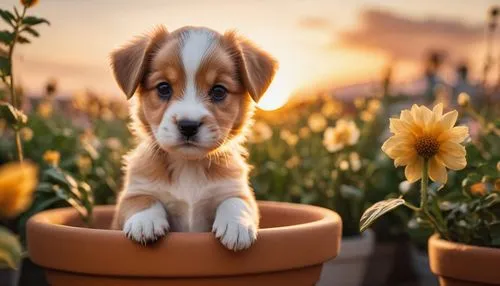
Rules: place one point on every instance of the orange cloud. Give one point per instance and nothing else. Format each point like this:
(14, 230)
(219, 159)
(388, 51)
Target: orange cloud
(404, 38)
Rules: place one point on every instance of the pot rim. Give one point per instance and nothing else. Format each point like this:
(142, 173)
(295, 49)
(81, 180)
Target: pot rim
(464, 262)
(109, 252)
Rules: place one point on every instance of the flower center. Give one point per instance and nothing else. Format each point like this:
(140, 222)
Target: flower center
(427, 146)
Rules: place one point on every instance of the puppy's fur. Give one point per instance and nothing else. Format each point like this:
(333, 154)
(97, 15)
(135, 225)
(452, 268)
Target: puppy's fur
(198, 183)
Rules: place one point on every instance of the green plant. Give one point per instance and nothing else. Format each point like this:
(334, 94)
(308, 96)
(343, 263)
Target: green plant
(22, 27)
(464, 206)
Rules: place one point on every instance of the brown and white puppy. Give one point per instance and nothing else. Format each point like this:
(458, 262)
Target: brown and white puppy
(196, 90)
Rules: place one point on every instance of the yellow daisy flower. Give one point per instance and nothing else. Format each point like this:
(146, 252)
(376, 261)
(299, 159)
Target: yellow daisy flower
(260, 132)
(52, 157)
(421, 134)
(344, 134)
(317, 122)
(17, 183)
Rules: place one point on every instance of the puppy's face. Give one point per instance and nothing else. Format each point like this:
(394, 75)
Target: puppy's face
(195, 86)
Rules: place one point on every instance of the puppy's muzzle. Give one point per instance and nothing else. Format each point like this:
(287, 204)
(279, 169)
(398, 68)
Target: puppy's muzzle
(188, 128)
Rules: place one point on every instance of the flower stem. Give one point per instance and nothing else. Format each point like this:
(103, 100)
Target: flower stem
(423, 185)
(424, 200)
(15, 102)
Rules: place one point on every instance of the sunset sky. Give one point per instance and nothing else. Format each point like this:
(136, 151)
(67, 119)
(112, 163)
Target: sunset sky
(318, 42)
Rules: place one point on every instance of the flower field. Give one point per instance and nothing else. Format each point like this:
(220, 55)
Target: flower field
(437, 153)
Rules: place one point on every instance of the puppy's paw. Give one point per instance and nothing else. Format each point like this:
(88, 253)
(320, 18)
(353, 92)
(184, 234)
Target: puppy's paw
(235, 235)
(234, 226)
(148, 225)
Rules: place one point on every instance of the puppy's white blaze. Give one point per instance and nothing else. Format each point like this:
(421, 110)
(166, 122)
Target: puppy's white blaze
(234, 225)
(148, 224)
(196, 44)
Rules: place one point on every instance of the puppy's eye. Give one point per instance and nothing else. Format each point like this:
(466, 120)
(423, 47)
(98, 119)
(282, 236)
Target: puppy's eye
(164, 90)
(218, 93)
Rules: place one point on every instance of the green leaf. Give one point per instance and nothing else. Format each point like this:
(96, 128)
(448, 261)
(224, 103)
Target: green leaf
(7, 17)
(22, 40)
(10, 249)
(8, 112)
(377, 210)
(31, 31)
(6, 37)
(4, 65)
(32, 20)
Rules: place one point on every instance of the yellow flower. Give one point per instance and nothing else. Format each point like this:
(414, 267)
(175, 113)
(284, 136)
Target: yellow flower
(17, 182)
(84, 164)
(331, 108)
(293, 162)
(26, 134)
(260, 132)
(304, 132)
(359, 102)
(29, 3)
(344, 165)
(284, 134)
(344, 134)
(463, 99)
(52, 157)
(479, 189)
(45, 109)
(374, 106)
(317, 122)
(367, 116)
(421, 134)
(290, 138)
(355, 162)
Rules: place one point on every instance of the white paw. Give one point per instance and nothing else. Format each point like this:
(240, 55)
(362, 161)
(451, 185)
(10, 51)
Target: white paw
(234, 227)
(147, 225)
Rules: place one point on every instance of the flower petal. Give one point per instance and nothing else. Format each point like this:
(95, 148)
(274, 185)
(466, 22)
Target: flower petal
(438, 110)
(449, 119)
(453, 149)
(406, 116)
(407, 159)
(457, 134)
(426, 114)
(437, 171)
(413, 172)
(452, 162)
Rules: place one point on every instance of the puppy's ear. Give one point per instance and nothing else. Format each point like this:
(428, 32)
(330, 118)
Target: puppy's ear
(257, 67)
(129, 62)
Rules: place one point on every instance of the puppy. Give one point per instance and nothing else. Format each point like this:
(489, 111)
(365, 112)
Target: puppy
(196, 90)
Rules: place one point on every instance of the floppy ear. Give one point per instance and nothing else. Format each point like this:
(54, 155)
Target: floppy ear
(129, 62)
(257, 67)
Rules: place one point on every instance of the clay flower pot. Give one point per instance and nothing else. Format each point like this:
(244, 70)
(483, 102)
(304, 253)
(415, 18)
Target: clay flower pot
(458, 264)
(293, 243)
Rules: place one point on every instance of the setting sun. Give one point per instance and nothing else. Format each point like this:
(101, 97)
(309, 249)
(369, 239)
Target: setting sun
(277, 94)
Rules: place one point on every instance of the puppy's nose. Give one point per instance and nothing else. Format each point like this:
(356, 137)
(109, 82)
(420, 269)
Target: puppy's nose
(188, 128)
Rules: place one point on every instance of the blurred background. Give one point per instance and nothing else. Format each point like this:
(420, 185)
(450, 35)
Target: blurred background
(355, 62)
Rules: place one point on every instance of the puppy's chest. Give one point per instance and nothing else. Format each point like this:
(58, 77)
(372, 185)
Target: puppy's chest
(189, 202)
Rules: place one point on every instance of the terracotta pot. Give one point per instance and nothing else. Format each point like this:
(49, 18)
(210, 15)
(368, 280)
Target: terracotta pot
(458, 264)
(293, 243)
(349, 267)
